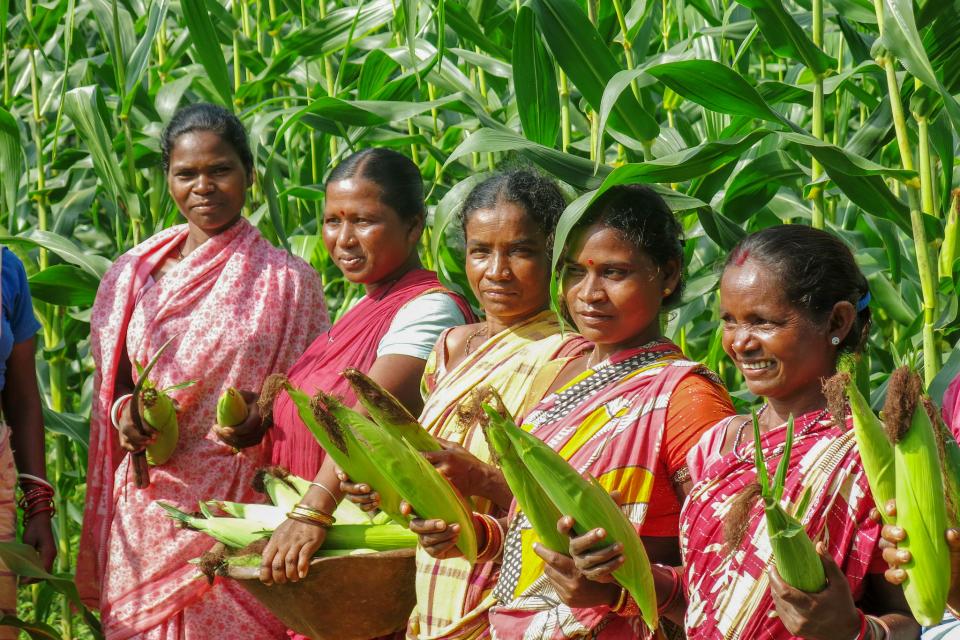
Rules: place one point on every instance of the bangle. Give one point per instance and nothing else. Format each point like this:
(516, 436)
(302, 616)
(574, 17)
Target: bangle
(626, 606)
(494, 537)
(117, 408)
(309, 515)
(320, 485)
(26, 478)
(35, 501)
(674, 590)
(862, 634)
(879, 630)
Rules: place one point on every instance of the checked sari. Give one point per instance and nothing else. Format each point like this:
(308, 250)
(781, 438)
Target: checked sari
(452, 598)
(729, 593)
(608, 422)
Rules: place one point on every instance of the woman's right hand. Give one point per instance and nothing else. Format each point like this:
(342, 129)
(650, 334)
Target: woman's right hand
(131, 438)
(288, 553)
(359, 493)
(248, 433)
(438, 538)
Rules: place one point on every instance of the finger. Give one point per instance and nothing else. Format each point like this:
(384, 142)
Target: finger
(266, 565)
(601, 572)
(582, 544)
(875, 515)
(303, 562)
(291, 564)
(892, 533)
(405, 508)
(895, 575)
(953, 540)
(830, 566)
(279, 568)
(590, 559)
(891, 507)
(562, 563)
(896, 557)
(617, 496)
(424, 527)
(565, 525)
(446, 444)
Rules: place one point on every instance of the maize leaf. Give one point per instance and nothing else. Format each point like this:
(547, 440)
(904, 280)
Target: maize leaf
(233, 532)
(422, 486)
(387, 411)
(160, 414)
(533, 501)
(379, 537)
(275, 482)
(591, 507)
(794, 554)
(231, 408)
(874, 447)
(341, 444)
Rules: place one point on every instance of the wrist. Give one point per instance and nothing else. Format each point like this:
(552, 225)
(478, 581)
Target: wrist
(857, 628)
(317, 498)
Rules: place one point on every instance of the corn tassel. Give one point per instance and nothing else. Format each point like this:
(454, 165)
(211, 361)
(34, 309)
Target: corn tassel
(533, 501)
(876, 452)
(591, 507)
(921, 503)
(794, 554)
(231, 408)
(387, 411)
(158, 411)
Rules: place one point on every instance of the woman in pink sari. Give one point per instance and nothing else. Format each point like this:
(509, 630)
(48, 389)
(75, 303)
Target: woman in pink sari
(236, 309)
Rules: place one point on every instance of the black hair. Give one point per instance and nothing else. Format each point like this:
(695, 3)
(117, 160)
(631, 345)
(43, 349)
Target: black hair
(539, 196)
(204, 116)
(399, 179)
(642, 217)
(816, 270)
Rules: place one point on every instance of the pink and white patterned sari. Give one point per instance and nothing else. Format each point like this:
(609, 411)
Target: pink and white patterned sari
(238, 309)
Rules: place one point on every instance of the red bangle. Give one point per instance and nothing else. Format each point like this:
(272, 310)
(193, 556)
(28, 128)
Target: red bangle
(863, 626)
(674, 592)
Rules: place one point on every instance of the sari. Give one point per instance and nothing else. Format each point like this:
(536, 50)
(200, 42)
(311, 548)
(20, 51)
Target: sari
(452, 596)
(951, 407)
(352, 342)
(237, 309)
(609, 422)
(728, 592)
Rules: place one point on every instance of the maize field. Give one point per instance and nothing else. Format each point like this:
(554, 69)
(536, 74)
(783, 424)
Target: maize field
(835, 113)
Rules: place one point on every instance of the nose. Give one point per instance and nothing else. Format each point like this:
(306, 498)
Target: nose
(743, 341)
(498, 268)
(591, 289)
(346, 236)
(203, 184)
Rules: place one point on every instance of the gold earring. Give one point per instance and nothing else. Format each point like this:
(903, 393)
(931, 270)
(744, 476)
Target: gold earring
(667, 292)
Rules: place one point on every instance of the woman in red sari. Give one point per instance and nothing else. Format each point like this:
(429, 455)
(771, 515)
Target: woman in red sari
(237, 309)
(792, 299)
(373, 218)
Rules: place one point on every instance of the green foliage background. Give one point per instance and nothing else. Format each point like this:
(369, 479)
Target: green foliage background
(836, 113)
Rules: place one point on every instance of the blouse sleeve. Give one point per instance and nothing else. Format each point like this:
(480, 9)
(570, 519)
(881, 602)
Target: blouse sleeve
(416, 327)
(697, 404)
(17, 305)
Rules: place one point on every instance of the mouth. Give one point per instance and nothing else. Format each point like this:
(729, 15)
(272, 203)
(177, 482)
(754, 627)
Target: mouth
(497, 294)
(205, 207)
(758, 365)
(593, 317)
(350, 262)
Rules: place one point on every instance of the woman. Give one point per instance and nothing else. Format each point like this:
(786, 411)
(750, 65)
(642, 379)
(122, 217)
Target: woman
(236, 309)
(373, 219)
(508, 222)
(21, 437)
(627, 413)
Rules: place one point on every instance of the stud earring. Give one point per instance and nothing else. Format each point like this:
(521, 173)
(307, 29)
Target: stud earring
(835, 341)
(667, 292)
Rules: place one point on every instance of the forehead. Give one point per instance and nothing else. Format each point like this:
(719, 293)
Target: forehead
(355, 194)
(201, 145)
(600, 243)
(504, 221)
(752, 284)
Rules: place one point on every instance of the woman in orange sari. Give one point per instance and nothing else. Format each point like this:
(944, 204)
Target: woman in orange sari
(236, 309)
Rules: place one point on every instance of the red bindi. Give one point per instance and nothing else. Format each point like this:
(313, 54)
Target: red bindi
(590, 262)
(741, 257)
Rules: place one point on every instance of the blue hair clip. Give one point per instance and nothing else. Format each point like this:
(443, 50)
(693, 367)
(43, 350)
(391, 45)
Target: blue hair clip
(864, 301)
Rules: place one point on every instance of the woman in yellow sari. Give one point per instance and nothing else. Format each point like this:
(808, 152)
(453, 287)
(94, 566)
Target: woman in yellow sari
(508, 223)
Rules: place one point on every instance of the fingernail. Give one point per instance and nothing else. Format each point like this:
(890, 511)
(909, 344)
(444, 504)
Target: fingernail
(536, 546)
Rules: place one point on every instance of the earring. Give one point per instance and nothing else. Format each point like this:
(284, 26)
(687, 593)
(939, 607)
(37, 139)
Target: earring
(667, 292)
(835, 341)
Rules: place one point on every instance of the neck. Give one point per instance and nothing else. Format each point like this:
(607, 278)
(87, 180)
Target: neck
(780, 409)
(197, 236)
(412, 262)
(603, 351)
(496, 324)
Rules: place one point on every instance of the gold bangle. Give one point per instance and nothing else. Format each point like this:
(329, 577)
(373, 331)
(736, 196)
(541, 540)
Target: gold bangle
(621, 600)
(293, 516)
(315, 516)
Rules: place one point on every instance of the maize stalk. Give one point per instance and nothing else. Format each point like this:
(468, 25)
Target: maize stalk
(231, 408)
(341, 444)
(387, 411)
(794, 555)
(921, 502)
(591, 507)
(534, 502)
(160, 414)
(415, 479)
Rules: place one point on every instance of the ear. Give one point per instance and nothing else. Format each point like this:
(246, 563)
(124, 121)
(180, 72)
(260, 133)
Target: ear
(841, 320)
(670, 272)
(416, 229)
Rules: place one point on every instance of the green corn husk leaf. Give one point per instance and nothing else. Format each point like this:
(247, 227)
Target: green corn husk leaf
(794, 553)
(275, 482)
(341, 444)
(233, 532)
(231, 408)
(422, 486)
(874, 447)
(159, 413)
(379, 537)
(387, 411)
(591, 507)
(269, 516)
(922, 512)
(533, 501)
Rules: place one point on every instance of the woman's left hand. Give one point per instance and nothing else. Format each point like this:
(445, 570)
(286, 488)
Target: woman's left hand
(38, 534)
(248, 433)
(825, 615)
(571, 583)
(460, 467)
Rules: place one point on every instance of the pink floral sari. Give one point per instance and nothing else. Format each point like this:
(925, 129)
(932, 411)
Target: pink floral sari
(238, 309)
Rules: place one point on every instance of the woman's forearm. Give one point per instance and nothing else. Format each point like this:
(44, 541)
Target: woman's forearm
(901, 625)
(23, 411)
(325, 500)
(495, 487)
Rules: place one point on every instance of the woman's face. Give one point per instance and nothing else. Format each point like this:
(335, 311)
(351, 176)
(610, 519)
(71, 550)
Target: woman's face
(782, 352)
(367, 239)
(614, 290)
(507, 263)
(207, 180)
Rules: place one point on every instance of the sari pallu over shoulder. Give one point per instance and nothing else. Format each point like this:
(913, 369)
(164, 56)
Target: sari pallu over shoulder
(608, 422)
(728, 593)
(452, 596)
(238, 309)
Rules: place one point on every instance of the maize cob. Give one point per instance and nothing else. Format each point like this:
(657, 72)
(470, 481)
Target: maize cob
(341, 444)
(536, 506)
(387, 411)
(233, 532)
(921, 503)
(415, 479)
(379, 537)
(268, 515)
(794, 555)
(591, 507)
(159, 413)
(231, 408)
(274, 481)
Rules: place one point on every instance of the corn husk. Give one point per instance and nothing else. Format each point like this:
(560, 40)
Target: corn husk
(794, 554)
(276, 483)
(269, 516)
(591, 507)
(233, 532)
(232, 409)
(158, 411)
(387, 411)
(340, 443)
(873, 445)
(534, 502)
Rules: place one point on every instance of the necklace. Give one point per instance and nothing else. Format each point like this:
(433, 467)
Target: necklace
(482, 331)
(779, 448)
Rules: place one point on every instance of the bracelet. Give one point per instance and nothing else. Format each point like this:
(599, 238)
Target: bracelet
(26, 478)
(862, 634)
(674, 590)
(320, 485)
(879, 630)
(953, 612)
(117, 408)
(309, 515)
(494, 537)
(35, 501)
(626, 606)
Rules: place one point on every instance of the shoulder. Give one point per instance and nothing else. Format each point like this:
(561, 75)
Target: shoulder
(417, 325)
(13, 270)
(455, 341)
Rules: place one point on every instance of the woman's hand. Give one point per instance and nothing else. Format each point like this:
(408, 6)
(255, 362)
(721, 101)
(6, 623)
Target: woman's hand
(825, 615)
(38, 534)
(359, 493)
(130, 436)
(248, 433)
(461, 468)
(438, 538)
(594, 564)
(287, 554)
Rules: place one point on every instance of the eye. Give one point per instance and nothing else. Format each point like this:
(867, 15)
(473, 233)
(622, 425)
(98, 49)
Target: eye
(614, 274)
(331, 220)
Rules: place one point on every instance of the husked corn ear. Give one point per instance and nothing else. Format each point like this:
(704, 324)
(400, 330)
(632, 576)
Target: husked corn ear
(533, 501)
(379, 537)
(794, 554)
(921, 502)
(233, 532)
(340, 443)
(274, 481)
(591, 507)
(158, 411)
(268, 515)
(387, 411)
(231, 408)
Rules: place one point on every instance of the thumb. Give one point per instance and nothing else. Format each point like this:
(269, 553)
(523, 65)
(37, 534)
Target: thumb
(830, 566)
(617, 497)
